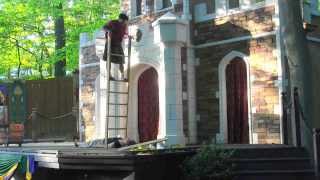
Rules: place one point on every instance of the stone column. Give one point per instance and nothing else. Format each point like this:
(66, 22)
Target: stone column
(173, 92)
(170, 34)
(191, 97)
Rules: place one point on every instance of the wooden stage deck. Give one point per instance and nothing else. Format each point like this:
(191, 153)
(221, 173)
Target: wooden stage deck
(67, 156)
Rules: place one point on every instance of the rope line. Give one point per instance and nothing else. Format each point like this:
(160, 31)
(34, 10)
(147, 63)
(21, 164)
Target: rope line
(55, 117)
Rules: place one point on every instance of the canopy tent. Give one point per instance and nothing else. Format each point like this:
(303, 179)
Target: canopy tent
(10, 163)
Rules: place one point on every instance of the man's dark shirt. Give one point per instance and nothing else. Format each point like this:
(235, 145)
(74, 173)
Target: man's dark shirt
(117, 29)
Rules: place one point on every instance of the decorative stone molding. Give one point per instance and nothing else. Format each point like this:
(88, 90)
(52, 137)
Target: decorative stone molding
(170, 29)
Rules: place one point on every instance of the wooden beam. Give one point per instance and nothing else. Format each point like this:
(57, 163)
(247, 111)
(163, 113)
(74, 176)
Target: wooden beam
(142, 144)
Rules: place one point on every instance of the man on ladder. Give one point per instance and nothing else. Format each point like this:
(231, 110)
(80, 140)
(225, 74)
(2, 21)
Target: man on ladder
(118, 29)
(117, 89)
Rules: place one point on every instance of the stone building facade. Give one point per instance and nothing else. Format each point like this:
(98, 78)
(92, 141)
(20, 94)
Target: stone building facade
(250, 35)
(191, 44)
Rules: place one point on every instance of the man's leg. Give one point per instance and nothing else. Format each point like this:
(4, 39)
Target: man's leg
(121, 60)
(121, 68)
(110, 72)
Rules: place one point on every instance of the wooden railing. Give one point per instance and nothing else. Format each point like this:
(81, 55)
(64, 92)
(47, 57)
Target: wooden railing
(285, 127)
(297, 115)
(316, 150)
(311, 134)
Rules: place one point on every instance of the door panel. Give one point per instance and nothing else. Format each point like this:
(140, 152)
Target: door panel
(148, 105)
(237, 102)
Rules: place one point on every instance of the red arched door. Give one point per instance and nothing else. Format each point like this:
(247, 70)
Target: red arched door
(237, 102)
(148, 105)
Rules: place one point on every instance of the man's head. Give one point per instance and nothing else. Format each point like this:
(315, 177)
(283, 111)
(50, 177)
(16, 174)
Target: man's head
(123, 18)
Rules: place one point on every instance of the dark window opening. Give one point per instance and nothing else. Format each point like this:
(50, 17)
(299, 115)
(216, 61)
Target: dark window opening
(166, 3)
(150, 6)
(139, 9)
(212, 6)
(258, 1)
(234, 4)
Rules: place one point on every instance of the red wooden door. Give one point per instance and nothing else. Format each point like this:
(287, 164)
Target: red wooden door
(148, 105)
(237, 102)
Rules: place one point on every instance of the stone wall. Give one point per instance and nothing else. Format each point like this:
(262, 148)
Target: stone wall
(148, 15)
(89, 71)
(265, 104)
(125, 6)
(241, 24)
(264, 91)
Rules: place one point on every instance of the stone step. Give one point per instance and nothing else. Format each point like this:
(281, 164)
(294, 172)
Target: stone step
(304, 174)
(286, 163)
(275, 162)
(267, 153)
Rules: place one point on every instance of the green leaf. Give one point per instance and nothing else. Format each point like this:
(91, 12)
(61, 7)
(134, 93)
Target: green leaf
(31, 23)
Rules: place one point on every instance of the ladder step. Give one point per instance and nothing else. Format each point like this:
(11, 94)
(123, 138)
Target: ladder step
(118, 55)
(118, 104)
(115, 92)
(123, 80)
(117, 128)
(119, 116)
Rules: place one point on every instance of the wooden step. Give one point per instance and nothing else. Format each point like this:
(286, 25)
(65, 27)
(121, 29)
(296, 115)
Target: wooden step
(267, 153)
(304, 174)
(287, 163)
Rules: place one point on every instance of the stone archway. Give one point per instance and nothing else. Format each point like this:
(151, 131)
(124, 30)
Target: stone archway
(133, 124)
(237, 102)
(235, 57)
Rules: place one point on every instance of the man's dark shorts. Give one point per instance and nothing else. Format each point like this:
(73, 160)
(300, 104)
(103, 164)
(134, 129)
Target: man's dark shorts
(115, 49)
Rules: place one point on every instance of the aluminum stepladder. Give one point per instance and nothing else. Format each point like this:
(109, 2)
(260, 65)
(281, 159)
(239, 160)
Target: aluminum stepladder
(117, 93)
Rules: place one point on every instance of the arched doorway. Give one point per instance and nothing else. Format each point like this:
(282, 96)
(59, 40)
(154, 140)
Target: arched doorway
(148, 105)
(237, 101)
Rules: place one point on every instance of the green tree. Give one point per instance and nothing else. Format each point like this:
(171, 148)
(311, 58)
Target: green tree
(36, 35)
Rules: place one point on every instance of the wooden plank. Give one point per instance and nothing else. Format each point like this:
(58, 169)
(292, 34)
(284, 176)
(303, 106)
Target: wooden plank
(89, 155)
(105, 161)
(96, 167)
(45, 140)
(46, 159)
(142, 144)
(49, 165)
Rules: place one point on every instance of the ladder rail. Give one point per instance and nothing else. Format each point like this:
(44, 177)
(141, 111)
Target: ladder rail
(108, 87)
(128, 77)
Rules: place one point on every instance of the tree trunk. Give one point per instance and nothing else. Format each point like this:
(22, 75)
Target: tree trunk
(298, 57)
(60, 65)
(19, 58)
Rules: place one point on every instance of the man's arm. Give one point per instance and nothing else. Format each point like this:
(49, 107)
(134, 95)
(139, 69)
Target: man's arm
(108, 27)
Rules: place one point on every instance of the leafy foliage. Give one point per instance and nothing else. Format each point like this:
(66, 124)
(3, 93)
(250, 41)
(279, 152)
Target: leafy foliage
(27, 37)
(210, 163)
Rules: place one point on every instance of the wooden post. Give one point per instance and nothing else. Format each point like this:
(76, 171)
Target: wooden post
(75, 113)
(316, 153)
(284, 118)
(34, 124)
(297, 116)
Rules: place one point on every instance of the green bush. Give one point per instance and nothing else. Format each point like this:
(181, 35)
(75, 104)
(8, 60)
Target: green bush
(210, 163)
